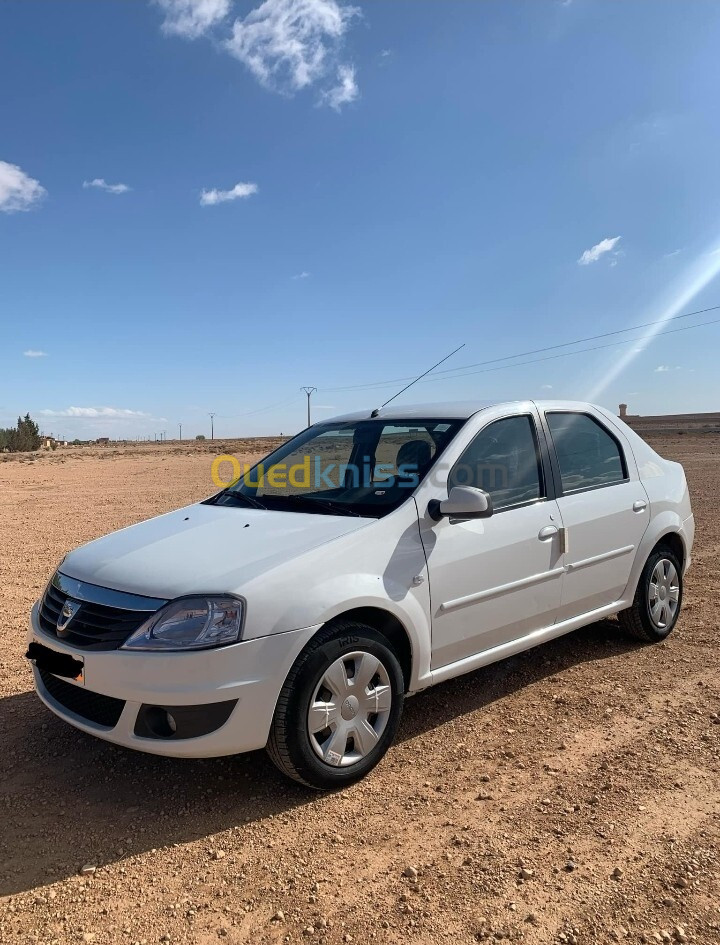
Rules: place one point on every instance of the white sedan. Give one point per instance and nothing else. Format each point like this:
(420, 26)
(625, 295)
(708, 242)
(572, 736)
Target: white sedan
(369, 557)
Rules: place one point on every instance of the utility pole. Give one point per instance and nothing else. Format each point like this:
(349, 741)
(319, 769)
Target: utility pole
(212, 425)
(180, 425)
(309, 391)
(163, 435)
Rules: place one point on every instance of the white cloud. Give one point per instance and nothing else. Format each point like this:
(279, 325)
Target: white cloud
(675, 252)
(101, 184)
(661, 368)
(599, 249)
(33, 353)
(192, 18)
(302, 275)
(344, 92)
(547, 387)
(290, 44)
(105, 413)
(18, 191)
(208, 198)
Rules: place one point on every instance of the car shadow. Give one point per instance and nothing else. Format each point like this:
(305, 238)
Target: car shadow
(482, 687)
(68, 799)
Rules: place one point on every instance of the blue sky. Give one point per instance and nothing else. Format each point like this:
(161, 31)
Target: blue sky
(208, 204)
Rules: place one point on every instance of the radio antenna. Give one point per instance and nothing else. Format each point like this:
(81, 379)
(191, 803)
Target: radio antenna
(420, 377)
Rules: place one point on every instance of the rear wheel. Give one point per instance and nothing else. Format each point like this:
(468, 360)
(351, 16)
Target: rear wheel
(339, 709)
(658, 598)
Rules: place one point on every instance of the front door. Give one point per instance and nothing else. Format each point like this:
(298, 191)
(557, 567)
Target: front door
(497, 579)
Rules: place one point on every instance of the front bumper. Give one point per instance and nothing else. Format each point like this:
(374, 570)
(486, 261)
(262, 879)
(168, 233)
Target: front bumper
(250, 674)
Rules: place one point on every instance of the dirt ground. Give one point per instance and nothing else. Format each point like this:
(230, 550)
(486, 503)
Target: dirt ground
(566, 795)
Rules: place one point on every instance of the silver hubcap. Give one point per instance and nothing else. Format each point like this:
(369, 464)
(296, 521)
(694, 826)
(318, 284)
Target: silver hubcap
(349, 709)
(663, 593)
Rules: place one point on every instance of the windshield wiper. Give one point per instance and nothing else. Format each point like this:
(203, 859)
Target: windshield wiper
(335, 508)
(233, 494)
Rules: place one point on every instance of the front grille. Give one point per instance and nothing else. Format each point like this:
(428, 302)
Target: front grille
(103, 710)
(94, 626)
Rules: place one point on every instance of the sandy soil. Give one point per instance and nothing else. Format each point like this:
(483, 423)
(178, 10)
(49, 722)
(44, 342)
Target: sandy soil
(566, 795)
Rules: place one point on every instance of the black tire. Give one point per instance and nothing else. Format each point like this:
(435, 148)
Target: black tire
(638, 620)
(293, 748)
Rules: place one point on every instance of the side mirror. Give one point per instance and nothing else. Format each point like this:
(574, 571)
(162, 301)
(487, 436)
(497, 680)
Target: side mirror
(462, 502)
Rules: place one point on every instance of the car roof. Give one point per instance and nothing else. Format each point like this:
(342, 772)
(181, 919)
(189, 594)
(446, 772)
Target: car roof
(451, 410)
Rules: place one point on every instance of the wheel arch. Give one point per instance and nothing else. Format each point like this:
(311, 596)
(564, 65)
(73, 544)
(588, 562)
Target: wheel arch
(675, 543)
(667, 533)
(391, 627)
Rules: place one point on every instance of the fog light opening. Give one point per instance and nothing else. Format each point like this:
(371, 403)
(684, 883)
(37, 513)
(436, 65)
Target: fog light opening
(160, 722)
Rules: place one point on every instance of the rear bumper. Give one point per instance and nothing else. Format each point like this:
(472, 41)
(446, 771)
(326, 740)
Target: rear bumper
(248, 675)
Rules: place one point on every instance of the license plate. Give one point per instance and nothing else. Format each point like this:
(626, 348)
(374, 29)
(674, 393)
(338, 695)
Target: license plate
(51, 661)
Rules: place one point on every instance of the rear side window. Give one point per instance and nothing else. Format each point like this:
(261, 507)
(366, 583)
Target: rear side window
(587, 454)
(504, 460)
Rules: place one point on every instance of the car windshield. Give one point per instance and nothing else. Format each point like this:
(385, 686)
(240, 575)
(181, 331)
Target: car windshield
(358, 467)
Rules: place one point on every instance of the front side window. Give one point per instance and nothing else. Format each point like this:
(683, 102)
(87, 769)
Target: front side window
(360, 467)
(504, 461)
(587, 454)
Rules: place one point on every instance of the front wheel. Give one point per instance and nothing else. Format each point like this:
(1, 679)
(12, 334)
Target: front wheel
(339, 709)
(658, 598)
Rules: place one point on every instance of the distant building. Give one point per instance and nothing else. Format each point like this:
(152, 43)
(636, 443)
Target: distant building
(672, 422)
(103, 441)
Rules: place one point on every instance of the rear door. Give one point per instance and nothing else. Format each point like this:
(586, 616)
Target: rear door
(604, 507)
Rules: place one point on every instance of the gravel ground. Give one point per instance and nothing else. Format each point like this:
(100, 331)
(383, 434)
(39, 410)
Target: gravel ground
(566, 795)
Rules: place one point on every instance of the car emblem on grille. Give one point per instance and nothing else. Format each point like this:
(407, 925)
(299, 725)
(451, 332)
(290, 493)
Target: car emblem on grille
(70, 609)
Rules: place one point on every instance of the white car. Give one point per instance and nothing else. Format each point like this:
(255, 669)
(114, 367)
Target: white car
(368, 558)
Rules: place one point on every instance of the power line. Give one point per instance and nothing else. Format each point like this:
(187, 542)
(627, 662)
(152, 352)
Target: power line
(523, 354)
(567, 354)
(250, 413)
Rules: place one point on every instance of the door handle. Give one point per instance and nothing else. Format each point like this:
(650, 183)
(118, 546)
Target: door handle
(639, 506)
(548, 532)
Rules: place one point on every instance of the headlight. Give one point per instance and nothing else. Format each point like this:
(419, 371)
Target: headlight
(192, 623)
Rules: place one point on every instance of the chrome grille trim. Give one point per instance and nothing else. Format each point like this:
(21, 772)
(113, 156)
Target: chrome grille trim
(105, 596)
(103, 620)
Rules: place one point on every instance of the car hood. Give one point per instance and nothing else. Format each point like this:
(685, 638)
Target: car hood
(202, 549)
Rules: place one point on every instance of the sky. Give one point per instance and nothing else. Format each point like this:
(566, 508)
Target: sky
(207, 204)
